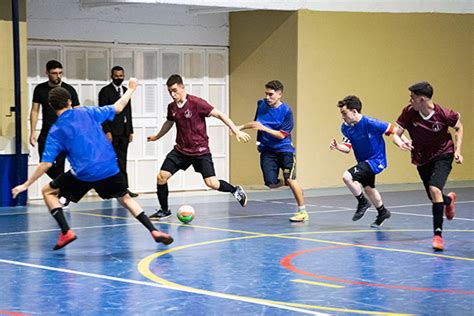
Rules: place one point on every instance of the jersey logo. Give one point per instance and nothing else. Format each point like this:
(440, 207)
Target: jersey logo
(356, 170)
(188, 113)
(437, 126)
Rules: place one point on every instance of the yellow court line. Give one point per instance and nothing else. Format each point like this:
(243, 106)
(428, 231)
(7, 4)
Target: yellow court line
(144, 269)
(317, 283)
(287, 236)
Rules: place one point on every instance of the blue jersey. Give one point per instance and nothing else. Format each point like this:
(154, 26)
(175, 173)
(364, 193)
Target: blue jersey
(280, 119)
(366, 138)
(78, 133)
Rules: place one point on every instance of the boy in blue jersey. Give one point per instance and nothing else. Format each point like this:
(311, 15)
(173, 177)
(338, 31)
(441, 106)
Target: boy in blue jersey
(365, 135)
(78, 133)
(274, 123)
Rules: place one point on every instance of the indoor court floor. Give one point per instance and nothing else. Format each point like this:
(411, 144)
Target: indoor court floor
(240, 261)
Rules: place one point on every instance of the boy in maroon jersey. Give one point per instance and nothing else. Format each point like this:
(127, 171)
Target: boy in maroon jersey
(192, 144)
(432, 149)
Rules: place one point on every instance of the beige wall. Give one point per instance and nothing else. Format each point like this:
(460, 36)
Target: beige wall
(263, 46)
(7, 94)
(373, 55)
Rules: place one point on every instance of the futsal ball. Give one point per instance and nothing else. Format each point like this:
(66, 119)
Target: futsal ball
(185, 213)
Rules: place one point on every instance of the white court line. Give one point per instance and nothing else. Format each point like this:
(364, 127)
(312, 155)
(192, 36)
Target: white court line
(152, 284)
(57, 229)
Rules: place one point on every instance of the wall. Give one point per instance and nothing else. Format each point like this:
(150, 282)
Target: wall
(377, 56)
(7, 92)
(125, 23)
(373, 55)
(262, 47)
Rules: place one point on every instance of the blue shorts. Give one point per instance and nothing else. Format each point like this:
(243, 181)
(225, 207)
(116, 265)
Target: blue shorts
(272, 162)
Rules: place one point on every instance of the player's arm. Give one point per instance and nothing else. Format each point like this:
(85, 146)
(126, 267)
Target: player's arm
(459, 130)
(342, 147)
(33, 121)
(167, 125)
(227, 121)
(39, 171)
(401, 140)
(123, 101)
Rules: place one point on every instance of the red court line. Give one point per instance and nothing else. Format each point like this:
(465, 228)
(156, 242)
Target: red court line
(11, 313)
(286, 262)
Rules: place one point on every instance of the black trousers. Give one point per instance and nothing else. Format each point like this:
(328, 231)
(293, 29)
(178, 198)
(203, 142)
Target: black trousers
(120, 144)
(58, 166)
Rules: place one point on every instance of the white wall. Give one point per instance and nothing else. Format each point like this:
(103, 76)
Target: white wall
(67, 20)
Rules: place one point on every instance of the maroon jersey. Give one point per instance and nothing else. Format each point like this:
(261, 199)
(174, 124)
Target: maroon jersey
(430, 134)
(191, 134)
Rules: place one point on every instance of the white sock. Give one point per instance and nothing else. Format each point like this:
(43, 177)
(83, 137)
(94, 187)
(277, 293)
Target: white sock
(301, 208)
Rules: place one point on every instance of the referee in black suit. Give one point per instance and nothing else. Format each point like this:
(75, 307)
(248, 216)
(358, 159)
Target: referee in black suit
(119, 131)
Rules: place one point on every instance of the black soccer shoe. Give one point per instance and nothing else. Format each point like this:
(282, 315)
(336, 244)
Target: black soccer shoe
(240, 195)
(362, 207)
(380, 219)
(159, 215)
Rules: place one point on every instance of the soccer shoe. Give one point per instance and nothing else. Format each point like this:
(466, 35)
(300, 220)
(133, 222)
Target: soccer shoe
(450, 209)
(438, 244)
(162, 237)
(65, 239)
(362, 207)
(380, 219)
(299, 217)
(160, 215)
(240, 195)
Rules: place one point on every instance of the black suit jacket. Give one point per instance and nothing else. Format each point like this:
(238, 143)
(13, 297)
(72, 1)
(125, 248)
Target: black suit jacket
(122, 124)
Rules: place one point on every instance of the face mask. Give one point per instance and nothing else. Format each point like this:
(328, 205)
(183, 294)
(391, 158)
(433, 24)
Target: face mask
(117, 82)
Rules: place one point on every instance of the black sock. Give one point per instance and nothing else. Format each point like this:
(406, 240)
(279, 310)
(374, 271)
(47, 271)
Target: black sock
(142, 218)
(59, 217)
(162, 193)
(381, 209)
(438, 218)
(446, 199)
(226, 187)
(361, 198)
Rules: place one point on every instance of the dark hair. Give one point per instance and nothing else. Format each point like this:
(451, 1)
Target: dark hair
(274, 85)
(422, 88)
(53, 64)
(351, 102)
(173, 79)
(58, 98)
(116, 68)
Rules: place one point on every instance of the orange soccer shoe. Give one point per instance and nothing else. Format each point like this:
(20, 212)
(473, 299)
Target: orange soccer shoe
(450, 210)
(162, 237)
(65, 239)
(438, 244)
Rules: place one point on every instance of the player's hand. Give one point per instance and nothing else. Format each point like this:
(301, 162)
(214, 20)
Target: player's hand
(407, 145)
(458, 157)
(130, 138)
(257, 126)
(132, 83)
(109, 136)
(242, 136)
(333, 144)
(18, 189)
(33, 139)
(152, 138)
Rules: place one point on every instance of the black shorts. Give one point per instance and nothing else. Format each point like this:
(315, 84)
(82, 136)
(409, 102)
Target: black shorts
(363, 174)
(435, 173)
(74, 189)
(272, 162)
(176, 160)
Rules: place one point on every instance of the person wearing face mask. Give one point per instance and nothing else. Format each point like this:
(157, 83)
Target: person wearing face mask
(54, 71)
(274, 123)
(119, 131)
(365, 135)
